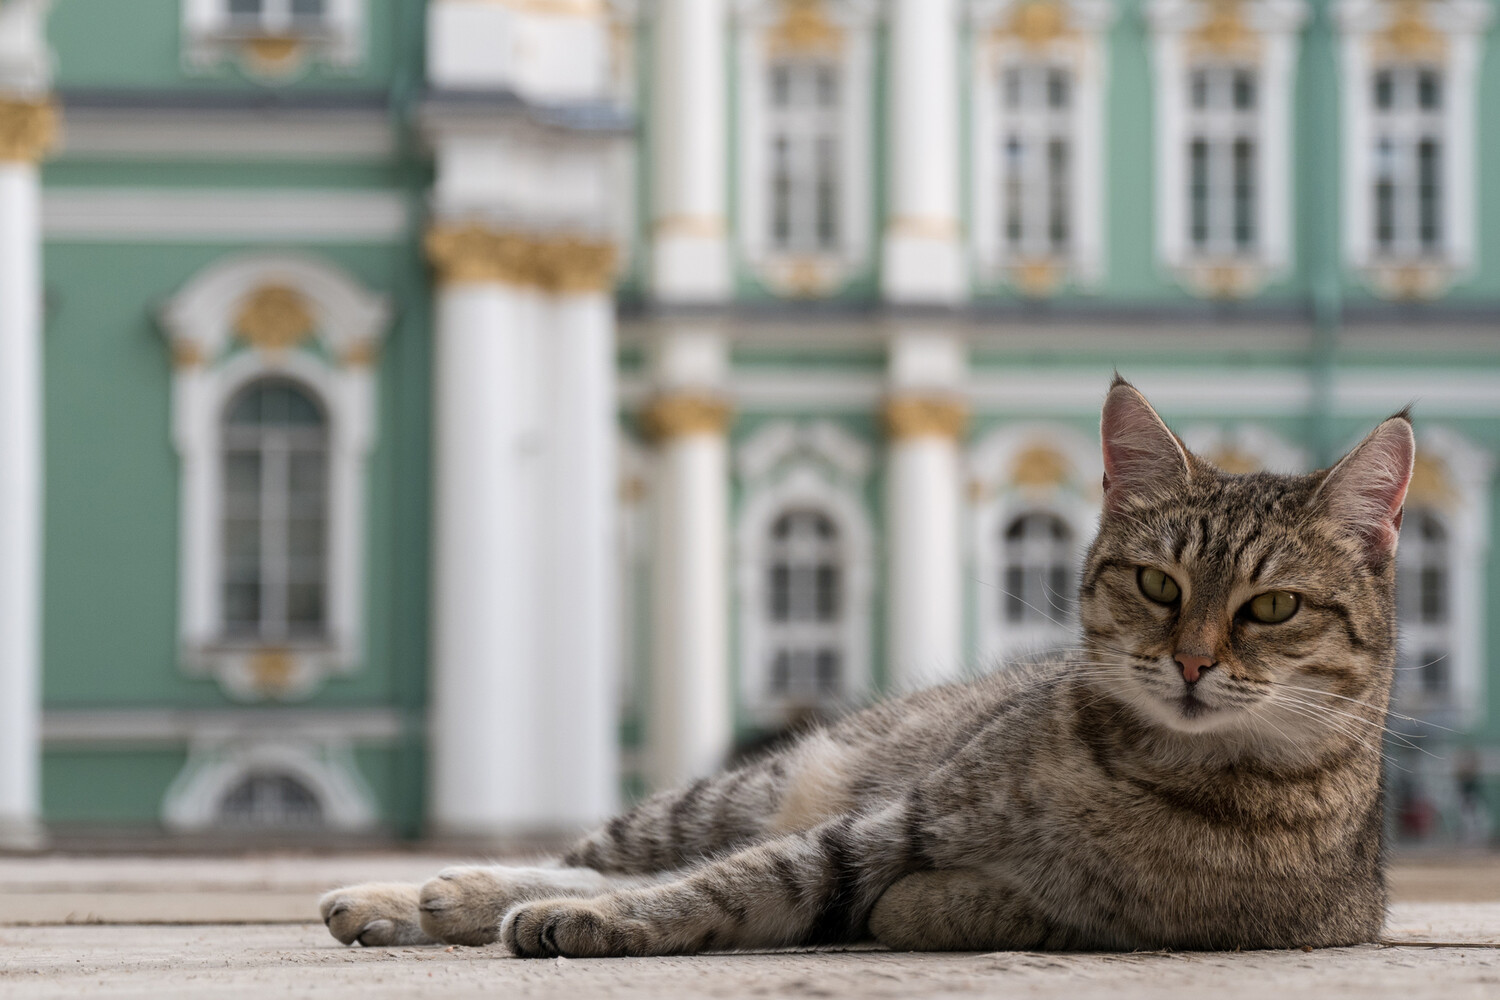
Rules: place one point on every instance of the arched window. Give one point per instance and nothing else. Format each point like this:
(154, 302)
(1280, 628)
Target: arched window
(1037, 572)
(269, 801)
(1424, 610)
(275, 514)
(805, 610)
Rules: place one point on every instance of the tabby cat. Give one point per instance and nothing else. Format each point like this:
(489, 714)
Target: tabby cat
(1204, 771)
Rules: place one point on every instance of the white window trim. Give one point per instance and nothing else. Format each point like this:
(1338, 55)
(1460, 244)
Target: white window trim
(997, 499)
(1276, 24)
(198, 320)
(817, 273)
(209, 37)
(327, 770)
(1462, 23)
(818, 465)
(1086, 53)
(1470, 469)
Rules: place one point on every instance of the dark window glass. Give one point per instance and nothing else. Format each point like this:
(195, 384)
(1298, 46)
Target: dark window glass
(270, 801)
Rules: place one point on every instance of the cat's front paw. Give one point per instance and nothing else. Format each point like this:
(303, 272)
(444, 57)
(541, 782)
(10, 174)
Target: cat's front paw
(569, 928)
(380, 914)
(465, 905)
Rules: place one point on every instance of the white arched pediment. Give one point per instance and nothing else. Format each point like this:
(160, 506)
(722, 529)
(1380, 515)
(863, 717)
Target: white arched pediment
(195, 800)
(244, 318)
(345, 316)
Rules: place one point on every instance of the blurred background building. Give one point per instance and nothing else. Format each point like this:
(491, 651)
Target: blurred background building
(458, 417)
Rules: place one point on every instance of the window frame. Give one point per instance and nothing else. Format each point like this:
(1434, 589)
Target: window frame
(816, 271)
(1267, 43)
(786, 466)
(1080, 50)
(1454, 36)
(212, 363)
(211, 34)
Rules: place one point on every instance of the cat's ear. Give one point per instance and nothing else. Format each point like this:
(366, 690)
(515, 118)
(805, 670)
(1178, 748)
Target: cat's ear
(1364, 492)
(1141, 456)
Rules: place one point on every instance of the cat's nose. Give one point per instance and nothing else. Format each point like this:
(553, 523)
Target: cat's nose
(1193, 665)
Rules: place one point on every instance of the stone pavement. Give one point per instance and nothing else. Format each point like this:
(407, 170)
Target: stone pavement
(226, 928)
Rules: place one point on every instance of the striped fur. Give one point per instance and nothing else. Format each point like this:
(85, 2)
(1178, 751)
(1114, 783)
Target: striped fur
(1088, 800)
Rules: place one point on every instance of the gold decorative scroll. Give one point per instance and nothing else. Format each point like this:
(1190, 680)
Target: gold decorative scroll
(805, 29)
(1036, 24)
(362, 353)
(186, 354)
(475, 253)
(274, 318)
(271, 670)
(680, 414)
(1224, 32)
(1431, 483)
(273, 55)
(704, 227)
(1409, 35)
(1040, 465)
(1037, 278)
(1228, 458)
(928, 227)
(925, 416)
(27, 129)
(557, 8)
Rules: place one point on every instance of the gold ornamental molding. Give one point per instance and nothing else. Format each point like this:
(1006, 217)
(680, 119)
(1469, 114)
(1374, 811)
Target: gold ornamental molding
(1036, 24)
(805, 29)
(1041, 466)
(1410, 35)
(679, 414)
(473, 253)
(705, 227)
(28, 129)
(923, 227)
(909, 417)
(274, 318)
(187, 354)
(1225, 33)
(1431, 484)
(548, 8)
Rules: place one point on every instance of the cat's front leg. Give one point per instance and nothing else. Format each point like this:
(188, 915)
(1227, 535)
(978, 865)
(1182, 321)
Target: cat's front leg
(813, 887)
(377, 914)
(960, 910)
(465, 904)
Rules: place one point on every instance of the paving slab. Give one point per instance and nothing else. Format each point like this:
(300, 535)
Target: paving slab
(244, 927)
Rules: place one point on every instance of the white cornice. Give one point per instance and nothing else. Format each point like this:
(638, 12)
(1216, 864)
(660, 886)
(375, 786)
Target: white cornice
(312, 136)
(272, 215)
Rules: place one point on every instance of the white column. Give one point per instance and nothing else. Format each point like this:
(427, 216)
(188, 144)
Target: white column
(20, 504)
(925, 417)
(690, 255)
(923, 259)
(487, 735)
(690, 724)
(582, 565)
(27, 124)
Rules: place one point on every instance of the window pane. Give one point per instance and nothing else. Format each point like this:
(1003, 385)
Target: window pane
(781, 592)
(1429, 215)
(781, 194)
(245, 8)
(1057, 89)
(828, 672)
(1057, 177)
(270, 801)
(1244, 90)
(781, 86)
(242, 608)
(1434, 669)
(1014, 163)
(1429, 90)
(310, 9)
(242, 476)
(780, 673)
(1012, 88)
(1434, 589)
(1015, 603)
(304, 612)
(1385, 89)
(828, 593)
(1385, 195)
(828, 86)
(1198, 207)
(1244, 194)
(1198, 86)
(828, 169)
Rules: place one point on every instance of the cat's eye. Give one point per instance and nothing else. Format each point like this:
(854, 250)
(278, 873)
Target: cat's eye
(1273, 606)
(1157, 585)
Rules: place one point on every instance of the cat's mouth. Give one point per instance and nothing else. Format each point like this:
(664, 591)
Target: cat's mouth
(1193, 707)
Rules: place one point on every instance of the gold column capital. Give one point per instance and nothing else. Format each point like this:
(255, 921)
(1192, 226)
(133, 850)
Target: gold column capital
(913, 416)
(476, 253)
(674, 415)
(28, 128)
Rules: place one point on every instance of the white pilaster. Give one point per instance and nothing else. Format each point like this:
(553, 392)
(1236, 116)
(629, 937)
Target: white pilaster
(925, 417)
(581, 569)
(691, 726)
(923, 255)
(488, 675)
(690, 251)
(25, 131)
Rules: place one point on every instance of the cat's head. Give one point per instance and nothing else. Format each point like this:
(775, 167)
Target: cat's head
(1257, 604)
